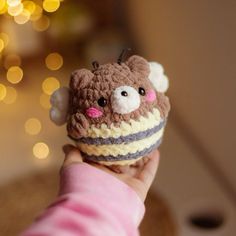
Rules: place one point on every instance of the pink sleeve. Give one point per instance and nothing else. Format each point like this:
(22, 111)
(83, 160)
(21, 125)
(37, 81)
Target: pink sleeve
(91, 203)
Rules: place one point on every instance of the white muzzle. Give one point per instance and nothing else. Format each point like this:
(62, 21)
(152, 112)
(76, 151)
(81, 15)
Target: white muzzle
(125, 99)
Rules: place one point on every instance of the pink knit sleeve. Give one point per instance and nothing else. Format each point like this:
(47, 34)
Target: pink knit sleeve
(91, 203)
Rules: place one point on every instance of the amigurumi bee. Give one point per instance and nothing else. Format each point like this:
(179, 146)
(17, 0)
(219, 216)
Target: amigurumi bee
(115, 113)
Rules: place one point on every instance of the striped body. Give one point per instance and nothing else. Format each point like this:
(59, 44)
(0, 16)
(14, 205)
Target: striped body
(125, 144)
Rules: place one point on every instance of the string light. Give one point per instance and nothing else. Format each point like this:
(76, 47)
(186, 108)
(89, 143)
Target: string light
(54, 61)
(34, 8)
(41, 150)
(23, 17)
(11, 95)
(14, 74)
(12, 60)
(45, 101)
(3, 92)
(33, 126)
(51, 5)
(50, 84)
(41, 24)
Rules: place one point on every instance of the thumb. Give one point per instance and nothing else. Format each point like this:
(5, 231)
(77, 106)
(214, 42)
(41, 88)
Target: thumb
(148, 173)
(72, 155)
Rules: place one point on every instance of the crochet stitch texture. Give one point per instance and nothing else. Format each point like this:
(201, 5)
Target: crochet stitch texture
(114, 114)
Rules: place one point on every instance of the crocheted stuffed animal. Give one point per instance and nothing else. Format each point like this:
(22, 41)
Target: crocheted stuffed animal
(115, 113)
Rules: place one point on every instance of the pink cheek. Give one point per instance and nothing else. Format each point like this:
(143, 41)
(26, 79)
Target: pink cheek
(93, 112)
(151, 96)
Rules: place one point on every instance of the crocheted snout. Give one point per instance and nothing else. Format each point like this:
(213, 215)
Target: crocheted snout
(125, 99)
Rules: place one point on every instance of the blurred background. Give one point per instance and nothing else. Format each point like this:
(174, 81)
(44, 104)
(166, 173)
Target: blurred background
(43, 41)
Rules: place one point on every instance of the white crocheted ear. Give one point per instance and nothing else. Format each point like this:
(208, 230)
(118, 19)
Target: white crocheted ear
(59, 101)
(157, 77)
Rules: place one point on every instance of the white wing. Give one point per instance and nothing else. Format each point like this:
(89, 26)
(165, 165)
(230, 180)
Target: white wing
(59, 110)
(157, 77)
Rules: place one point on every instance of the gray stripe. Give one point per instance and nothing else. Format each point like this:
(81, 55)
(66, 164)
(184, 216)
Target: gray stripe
(129, 156)
(124, 139)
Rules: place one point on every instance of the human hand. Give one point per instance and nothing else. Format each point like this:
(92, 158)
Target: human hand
(138, 177)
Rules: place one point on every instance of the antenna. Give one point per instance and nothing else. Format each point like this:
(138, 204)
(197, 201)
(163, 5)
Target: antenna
(123, 55)
(95, 65)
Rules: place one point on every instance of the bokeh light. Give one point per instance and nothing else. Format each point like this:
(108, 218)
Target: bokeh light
(1, 45)
(11, 95)
(29, 6)
(51, 5)
(50, 84)
(11, 60)
(41, 24)
(3, 6)
(13, 3)
(14, 74)
(32, 126)
(15, 10)
(54, 61)
(23, 17)
(41, 150)
(37, 13)
(5, 38)
(3, 92)
(45, 101)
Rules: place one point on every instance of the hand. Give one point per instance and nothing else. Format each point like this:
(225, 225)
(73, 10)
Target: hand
(138, 177)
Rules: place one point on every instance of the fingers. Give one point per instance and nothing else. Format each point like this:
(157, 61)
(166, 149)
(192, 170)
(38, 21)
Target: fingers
(120, 169)
(67, 148)
(149, 170)
(72, 155)
(127, 170)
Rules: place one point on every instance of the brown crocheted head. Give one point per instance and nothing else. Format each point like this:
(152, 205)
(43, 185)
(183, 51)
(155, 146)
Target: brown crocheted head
(111, 94)
(104, 101)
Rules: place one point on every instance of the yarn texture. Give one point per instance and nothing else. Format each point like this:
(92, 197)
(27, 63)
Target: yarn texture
(116, 114)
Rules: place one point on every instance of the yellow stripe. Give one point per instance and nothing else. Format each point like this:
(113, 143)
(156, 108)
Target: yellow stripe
(153, 118)
(120, 149)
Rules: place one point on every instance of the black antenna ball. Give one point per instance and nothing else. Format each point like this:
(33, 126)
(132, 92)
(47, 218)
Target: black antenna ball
(95, 65)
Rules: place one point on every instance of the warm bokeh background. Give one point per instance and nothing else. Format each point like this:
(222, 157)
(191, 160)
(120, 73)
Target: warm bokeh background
(41, 42)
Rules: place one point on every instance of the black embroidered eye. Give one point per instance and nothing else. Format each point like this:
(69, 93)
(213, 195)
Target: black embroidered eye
(141, 91)
(102, 102)
(124, 93)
